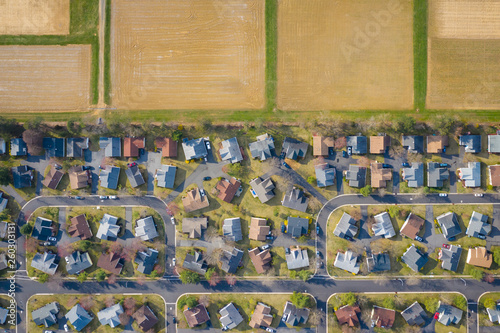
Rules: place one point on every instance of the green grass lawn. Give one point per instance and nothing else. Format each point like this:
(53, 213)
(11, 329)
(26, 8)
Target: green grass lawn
(483, 315)
(96, 303)
(4, 303)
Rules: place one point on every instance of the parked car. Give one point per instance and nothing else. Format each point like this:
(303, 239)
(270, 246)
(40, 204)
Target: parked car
(317, 230)
(265, 247)
(406, 164)
(481, 236)
(133, 164)
(269, 329)
(318, 254)
(174, 320)
(113, 197)
(344, 153)
(86, 167)
(287, 250)
(48, 331)
(57, 166)
(79, 197)
(349, 238)
(47, 244)
(286, 165)
(436, 315)
(141, 151)
(172, 219)
(208, 145)
(446, 246)
(443, 194)
(66, 328)
(268, 237)
(478, 195)
(452, 239)
(103, 197)
(349, 151)
(52, 239)
(319, 264)
(207, 178)
(173, 261)
(444, 165)
(202, 192)
(283, 228)
(386, 166)
(418, 238)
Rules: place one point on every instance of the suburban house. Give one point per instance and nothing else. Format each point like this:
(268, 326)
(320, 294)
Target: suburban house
(46, 262)
(167, 146)
(231, 229)
(3, 263)
(145, 318)
(3, 150)
(472, 143)
(295, 199)
(165, 176)
(230, 317)
(78, 317)
(145, 229)
(356, 176)
(261, 316)
(414, 175)
(383, 226)
(348, 314)
(478, 225)
(325, 175)
(261, 260)
(470, 176)
(494, 144)
(227, 189)
(480, 257)
(382, 317)
(34, 142)
(414, 258)
(111, 262)
(494, 314)
(132, 146)
(494, 173)
(449, 225)
(42, 229)
(80, 227)
(194, 226)
(194, 149)
(293, 316)
(79, 178)
(75, 147)
(436, 175)
(18, 147)
(379, 144)
(53, 178)
(46, 315)
(414, 314)
(413, 143)
(293, 149)
(112, 146)
(22, 176)
(196, 316)
(450, 257)
(195, 262)
(231, 260)
(322, 145)
(194, 201)
(378, 262)
(108, 228)
(77, 262)
(412, 226)
(3, 225)
(258, 229)
(436, 144)
(263, 148)
(347, 261)
(231, 151)
(134, 176)
(346, 227)
(447, 314)
(297, 226)
(297, 258)
(54, 147)
(380, 175)
(262, 188)
(110, 316)
(358, 144)
(109, 176)
(146, 261)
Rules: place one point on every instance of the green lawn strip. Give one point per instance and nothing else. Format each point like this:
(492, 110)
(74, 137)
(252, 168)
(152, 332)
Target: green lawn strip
(271, 52)
(420, 53)
(107, 55)
(97, 303)
(483, 315)
(245, 303)
(398, 302)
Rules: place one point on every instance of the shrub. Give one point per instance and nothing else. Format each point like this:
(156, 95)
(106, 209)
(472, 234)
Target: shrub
(26, 229)
(82, 276)
(366, 191)
(460, 302)
(190, 301)
(388, 302)
(304, 275)
(489, 303)
(42, 278)
(189, 277)
(311, 180)
(301, 300)
(348, 299)
(100, 275)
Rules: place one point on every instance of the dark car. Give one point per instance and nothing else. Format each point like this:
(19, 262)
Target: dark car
(386, 166)
(131, 164)
(287, 250)
(344, 153)
(86, 167)
(286, 165)
(283, 228)
(268, 237)
(406, 165)
(317, 230)
(481, 236)
(79, 197)
(207, 178)
(444, 165)
(349, 238)
(58, 166)
(174, 320)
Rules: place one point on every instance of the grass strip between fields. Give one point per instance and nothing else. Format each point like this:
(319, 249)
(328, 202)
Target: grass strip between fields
(271, 52)
(420, 9)
(107, 55)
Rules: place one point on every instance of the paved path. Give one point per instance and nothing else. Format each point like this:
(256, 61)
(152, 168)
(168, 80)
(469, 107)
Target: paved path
(13, 193)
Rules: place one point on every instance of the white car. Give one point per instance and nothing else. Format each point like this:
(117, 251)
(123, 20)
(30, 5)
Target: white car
(113, 197)
(443, 194)
(478, 195)
(202, 192)
(103, 197)
(173, 262)
(172, 219)
(208, 145)
(66, 328)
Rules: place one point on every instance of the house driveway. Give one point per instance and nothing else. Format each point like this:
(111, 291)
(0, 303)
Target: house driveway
(128, 237)
(94, 159)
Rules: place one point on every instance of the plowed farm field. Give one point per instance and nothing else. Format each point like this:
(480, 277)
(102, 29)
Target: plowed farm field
(44, 78)
(188, 54)
(34, 17)
(345, 55)
(463, 47)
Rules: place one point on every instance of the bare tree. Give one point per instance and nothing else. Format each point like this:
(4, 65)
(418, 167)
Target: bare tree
(141, 279)
(109, 301)
(87, 302)
(55, 281)
(31, 245)
(112, 279)
(382, 192)
(124, 319)
(204, 300)
(397, 151)
(315, 317)
(231, 279)
(340, 143)
(214, 279)
(364, 161)
(129, 305)
(64, 249)
(213, 258)
(116, 248)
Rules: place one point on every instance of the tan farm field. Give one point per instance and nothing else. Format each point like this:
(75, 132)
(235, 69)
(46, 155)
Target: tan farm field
(34, 17)
(44, 78)
(188, 54)
(463, 45)
(345, 55)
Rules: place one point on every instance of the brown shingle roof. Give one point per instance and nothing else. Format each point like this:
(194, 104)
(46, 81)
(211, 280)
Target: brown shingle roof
(194, 201)
(479, 256)
(110, 262)
(145, 318)
(321, 145)
(79, 227)
(78, 177)
(261, 316)
(131, 146)
(379, 144)
(348, 315)
(380, 175)
(260, 259)
(494, 171)
(53, 178)
(197, 315)
(227, 189)
(436, 143)
(168, 147)
(412, 226)
(258, 229)
(383, 317)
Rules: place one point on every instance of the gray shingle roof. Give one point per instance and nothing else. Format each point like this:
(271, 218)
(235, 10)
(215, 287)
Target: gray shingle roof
(146, 260)
(77, 262)
(414, 314)
(450, 257)
(146, 229)
(471, 176)
(231, 151)
(494, 143)
(2, 146)
(436, 175)
(294, 316)
(110, 316)
(134, 176)
(54, 147)
(112, 146)
(166, 176)
(449, 224)
(358, 144)
(346, 226)
(42, 229)
(347, 261)
(78, 317)
(472, 143)
(230, 316)
(478, 225)
(297, 258)
(378, 262)
(22, 176)
(414, 143)
(383, 226)
(194, 148)
(295, 199)
(297, 226)
(75, 146)
(108, 229)
(46, 262)
(18, 147)
(195, 263)
(356, 175)
(231, 260)
(494, 314)
(109, 176)
(449, 314)
(414, 259)
(3, 315)
(232, 229)
(325, 175)
(46, 315)
(263, 188)
(294, 149)
(263, 148)
(414, 175)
